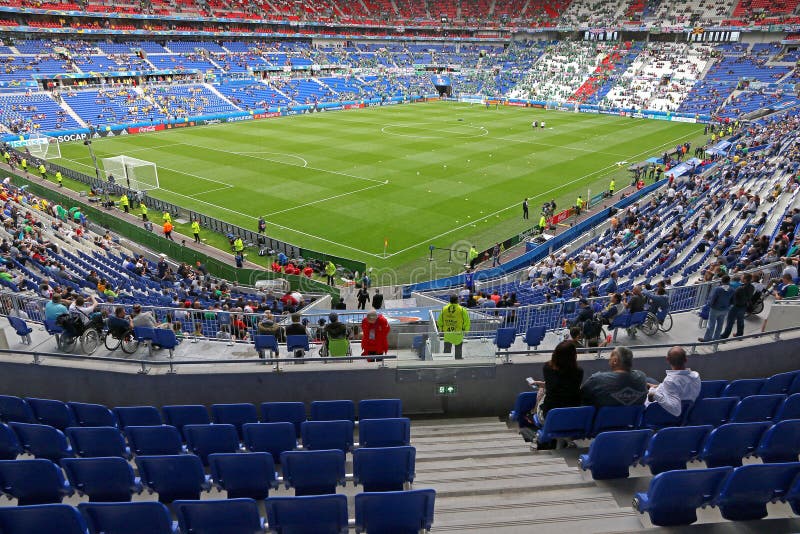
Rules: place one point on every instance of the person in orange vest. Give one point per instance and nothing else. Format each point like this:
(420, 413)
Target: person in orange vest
(168, 230)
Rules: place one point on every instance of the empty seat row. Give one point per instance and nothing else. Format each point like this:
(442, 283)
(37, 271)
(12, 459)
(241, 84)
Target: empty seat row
(43, 441)
(173, 477)
(611, 454)
(398, 512)
(741, 494)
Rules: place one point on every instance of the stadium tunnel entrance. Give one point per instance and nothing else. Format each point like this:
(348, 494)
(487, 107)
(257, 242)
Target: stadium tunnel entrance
(443, 85)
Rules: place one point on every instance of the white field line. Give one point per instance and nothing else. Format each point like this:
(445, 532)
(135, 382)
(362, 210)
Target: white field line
(326, 199)
(247, 153)
(461, 135)
(211, 191)
(79, 162)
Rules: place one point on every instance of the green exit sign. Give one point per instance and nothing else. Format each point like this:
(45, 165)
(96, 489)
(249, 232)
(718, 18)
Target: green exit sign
(446, 389)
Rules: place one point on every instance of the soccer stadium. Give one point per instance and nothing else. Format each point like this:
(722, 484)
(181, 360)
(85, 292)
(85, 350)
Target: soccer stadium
(399, 266)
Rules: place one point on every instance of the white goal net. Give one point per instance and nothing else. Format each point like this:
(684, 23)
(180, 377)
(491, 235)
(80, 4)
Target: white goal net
(132, 173)
(39, 146)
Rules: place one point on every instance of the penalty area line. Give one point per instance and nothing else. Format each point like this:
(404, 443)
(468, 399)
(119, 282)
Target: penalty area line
(313, 202)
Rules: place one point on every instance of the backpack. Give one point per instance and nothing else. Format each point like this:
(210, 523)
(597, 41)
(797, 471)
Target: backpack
(592, 328)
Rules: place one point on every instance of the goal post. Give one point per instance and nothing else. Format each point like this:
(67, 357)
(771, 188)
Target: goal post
(40, 146)
(132, 173)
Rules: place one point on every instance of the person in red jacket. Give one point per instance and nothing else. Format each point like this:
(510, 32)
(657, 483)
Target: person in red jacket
(374, 335)
(276, 267)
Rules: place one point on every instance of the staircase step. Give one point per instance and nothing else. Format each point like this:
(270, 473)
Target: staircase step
(502, 480)
(521, 461)
(588, 521)
(458, 437)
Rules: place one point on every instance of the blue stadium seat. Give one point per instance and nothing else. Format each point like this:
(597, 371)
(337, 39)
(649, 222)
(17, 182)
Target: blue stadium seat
(173, 477)
(137, 416)
(745, 494)
(154, 440)
(9, 443)
(185, 414)
(16, 410)
(729, 443)
(778, 383)
(231, 516)
(567, 423)
(504, 337)
(711, 388)
(92, 414)
(790, 409)
(294, 343)
(128, 518)
(757, 408)
(793, 497)
(714, 411)
(320, 435)
(166, 339)
(49, 518)
(524, 403)
(609, 418)
(203, 440)
(398, 512)
(384, 468)
(42, 441)
(655, 417)
(264, 343)
(273, 438)
(284, 412)
(313, 472)
(250, 474)
(33, 481)
(743, 387)
(674, 497)
(51, 412)
(21, 328)
(235, 414)
(335, 410)
(534, 336)
(314, 514)
(384, 432)
(671, 448)
(108, 479)
(795, 387)
(780, 443)
(611, 454)
(380, 408)
(93, 442)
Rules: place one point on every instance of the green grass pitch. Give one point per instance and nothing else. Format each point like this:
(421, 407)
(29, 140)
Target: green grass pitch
(440, 173)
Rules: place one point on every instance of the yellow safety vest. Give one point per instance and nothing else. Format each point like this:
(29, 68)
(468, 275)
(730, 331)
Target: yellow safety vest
(453, 322)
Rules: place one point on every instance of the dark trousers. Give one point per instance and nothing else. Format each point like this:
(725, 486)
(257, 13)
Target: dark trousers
(331, 280)
(196, 238)
(525, 213)
(736, 313)
(448, 346)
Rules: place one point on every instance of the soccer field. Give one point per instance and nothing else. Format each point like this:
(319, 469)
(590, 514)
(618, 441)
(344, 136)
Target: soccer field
(440, 173)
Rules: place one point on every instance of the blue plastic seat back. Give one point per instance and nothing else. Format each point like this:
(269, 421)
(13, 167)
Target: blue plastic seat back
(235, 414)
(638, 318)
(15, 409)
(795, 386)
(611, 454)
(10, 447)
(137, 416)
(671, 448)
(185, 414)
(320, 435)
(297, 343)
(51, 412)
(49, 518)
(790, 409)
(284, 412)
(108, 479)
(173, 477)
(166, 338)
(380, 408)
(655, 417)
(399, 512)
(313, 472)
(674, 496)
(535, 335)
(743, 387)
(42, 441)
(203, 440)
(144, 333)
(711, 388)
(52, 328)
(384, 468)
(314, 514)
(266, 342)
(610, 418)
(757, 408)
(384, 432)
(35, 481)
(272, 438)
(524, 403)
(154, 440)
(729, 443)
(778, 383)
(781, 442)
(568, 423)
(504, 337)
(249, 474)
(93, 442)
(620, 321)
(86, 414)
(745, 494)
(127, 517)
(226, 516)
(335, 410)
(19, 326)
(714, 411)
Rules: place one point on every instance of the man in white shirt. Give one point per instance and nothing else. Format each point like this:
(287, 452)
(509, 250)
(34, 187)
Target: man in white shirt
(83, 310)
(680, 384)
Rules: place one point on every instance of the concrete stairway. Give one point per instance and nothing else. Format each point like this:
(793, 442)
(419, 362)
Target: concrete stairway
(486, 477)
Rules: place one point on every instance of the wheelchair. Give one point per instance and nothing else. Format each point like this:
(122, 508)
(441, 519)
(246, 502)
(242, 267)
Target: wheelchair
(115, 339)
(74, 331)
(655, 323)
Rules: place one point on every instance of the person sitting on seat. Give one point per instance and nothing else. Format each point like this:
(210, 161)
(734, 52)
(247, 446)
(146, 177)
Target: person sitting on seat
(335, 329)
(119, 323)
(614, 308)
(621, 386)
(585, 313)
(680, 384)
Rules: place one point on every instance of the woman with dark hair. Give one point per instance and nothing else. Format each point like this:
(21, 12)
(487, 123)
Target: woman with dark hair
(562, 380)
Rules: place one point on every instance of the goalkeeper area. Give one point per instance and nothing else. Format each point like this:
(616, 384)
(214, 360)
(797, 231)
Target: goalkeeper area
(132, 173)
(40, 146)
(408, 176)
